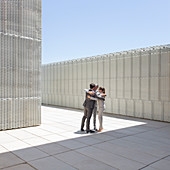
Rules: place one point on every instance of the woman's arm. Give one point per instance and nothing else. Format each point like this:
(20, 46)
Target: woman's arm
(100, 96)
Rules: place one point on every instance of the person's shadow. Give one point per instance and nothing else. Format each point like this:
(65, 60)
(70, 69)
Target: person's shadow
(80, 132)
(83, 132)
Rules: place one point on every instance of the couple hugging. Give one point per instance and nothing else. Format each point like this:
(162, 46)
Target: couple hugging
(93, 98)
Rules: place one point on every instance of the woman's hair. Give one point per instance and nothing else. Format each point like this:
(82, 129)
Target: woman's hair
(102, 89)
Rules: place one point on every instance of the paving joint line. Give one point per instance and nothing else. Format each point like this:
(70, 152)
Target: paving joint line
(154, 162)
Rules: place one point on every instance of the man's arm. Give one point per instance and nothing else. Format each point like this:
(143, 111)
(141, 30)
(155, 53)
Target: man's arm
(92, 93)
(92, 98)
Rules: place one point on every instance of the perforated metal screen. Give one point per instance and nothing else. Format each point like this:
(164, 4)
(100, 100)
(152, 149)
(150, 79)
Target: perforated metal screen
(20, 63)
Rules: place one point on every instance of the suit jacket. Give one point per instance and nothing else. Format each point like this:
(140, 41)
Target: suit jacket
(88, 103)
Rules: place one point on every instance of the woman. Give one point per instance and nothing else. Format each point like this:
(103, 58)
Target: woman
(100, 97)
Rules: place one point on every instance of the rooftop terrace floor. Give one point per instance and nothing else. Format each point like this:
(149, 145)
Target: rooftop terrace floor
(125, 143)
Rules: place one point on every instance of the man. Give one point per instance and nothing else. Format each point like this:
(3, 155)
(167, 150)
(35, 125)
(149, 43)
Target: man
(88, 109)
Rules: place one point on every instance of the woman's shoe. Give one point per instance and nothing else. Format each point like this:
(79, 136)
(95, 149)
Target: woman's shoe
(100, 130)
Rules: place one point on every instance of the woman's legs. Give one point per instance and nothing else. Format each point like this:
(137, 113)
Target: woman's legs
(100, 117)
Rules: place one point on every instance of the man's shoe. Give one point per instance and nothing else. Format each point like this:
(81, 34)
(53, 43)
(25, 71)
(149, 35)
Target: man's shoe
(87, 131)
(82, 130)
(95, 129)
(92, 131)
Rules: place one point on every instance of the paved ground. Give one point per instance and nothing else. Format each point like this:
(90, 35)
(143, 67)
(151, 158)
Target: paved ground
(126, 144)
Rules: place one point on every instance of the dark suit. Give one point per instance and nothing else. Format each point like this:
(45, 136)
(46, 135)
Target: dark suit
(88, 109)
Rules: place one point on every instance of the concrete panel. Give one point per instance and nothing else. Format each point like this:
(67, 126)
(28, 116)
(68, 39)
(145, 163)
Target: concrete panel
(75, 74)
(136, 65)
(128, 66)
(128, 88)
(113, 90)
(136, 88)
(165, 63)
(138, 108)
(84, 69)
(157, 110)
(108, 104)
(71, 101)
(120, 66)
(154, 88)
(113, 69)
(89, 70)
(59, 100)
(80, 100)
(115, 107)
(66, 101)
(167, 111)
(70, 79)
(155, 64)
(122, 107)
(95, 68)
(145, 58)
(106, 68)
(145, 88)
(130, 107)
(165, 89)
(79, 70)
(148, 111)
(107, 86)
(76, 102)
(100, 68)
(59, 78)
(100, 82)
(120, 88)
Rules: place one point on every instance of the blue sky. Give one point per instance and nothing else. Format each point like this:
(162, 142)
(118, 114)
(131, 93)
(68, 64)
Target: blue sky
(82, 28)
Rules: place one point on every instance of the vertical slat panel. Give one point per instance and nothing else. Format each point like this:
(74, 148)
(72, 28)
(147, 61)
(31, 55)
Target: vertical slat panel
(137, 82)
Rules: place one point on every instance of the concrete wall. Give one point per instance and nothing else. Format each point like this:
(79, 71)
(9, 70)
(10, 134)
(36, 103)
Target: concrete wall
(137, 82)
(20, 63)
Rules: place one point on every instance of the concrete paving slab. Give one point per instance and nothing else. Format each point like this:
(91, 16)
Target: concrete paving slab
(3, 150)
(30, 154)
(127, 153)
(50, 163)
(54, 138)
(9, 159)
(36, 141)
(72, 144)
(17, 145)
(53, 148)
(82, 162)
(20, 167)
(162, 165)
(108, 158)
(140, 147)
(20, 134)
(125, 143)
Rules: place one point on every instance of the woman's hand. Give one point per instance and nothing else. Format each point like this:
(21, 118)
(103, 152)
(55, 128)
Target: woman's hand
(103, 95)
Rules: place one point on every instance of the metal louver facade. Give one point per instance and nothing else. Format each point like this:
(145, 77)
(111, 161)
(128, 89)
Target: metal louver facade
(20, 63)
(137, 82)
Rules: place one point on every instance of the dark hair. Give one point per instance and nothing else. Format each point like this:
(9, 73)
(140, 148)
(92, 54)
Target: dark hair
(102, 89)
(96, 85)
(92, 85)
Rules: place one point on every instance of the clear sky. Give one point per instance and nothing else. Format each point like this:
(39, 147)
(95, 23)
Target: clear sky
(82, 28)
